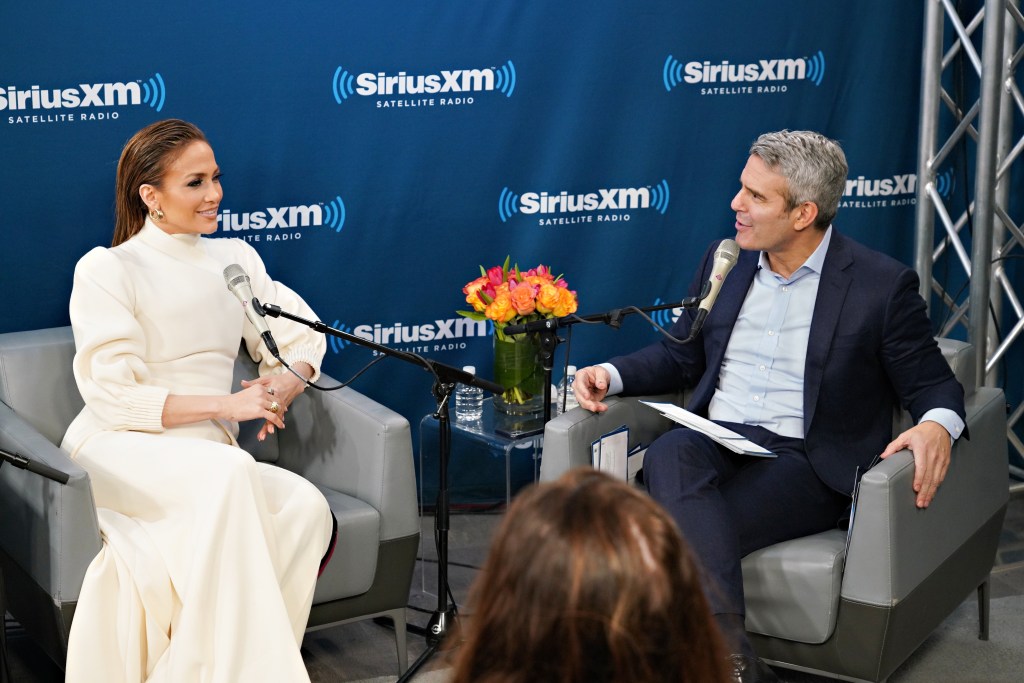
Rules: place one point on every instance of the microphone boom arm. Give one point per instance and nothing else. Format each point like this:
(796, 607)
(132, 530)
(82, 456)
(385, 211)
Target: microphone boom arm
(445, 373)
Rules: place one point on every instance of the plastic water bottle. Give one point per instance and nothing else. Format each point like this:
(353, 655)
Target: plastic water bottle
(469, 401)
(565, 391)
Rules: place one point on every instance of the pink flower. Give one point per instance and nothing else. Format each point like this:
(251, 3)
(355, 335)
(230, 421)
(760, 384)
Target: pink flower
(495, 275)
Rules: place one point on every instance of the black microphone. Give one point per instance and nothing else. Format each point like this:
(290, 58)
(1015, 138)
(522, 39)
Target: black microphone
(533, 326)
(725, 258)
(238, 283)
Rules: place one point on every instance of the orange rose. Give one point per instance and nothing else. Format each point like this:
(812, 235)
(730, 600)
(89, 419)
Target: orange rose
(500, 310)
(547, 298)
(536, 280)
(472, 292)
(523, 298)
(566, 302)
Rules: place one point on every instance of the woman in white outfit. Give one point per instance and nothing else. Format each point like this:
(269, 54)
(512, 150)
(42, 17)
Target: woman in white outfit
(209, 558)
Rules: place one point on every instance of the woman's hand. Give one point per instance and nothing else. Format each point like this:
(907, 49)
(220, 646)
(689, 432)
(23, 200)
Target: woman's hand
(254, 403)
(266, 398)
(280, 389)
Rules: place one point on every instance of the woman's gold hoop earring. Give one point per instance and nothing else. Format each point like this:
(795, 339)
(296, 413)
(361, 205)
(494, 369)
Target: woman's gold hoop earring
(156, 215)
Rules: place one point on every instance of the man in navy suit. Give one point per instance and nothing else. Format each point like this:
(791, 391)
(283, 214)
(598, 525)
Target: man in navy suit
(811, 343)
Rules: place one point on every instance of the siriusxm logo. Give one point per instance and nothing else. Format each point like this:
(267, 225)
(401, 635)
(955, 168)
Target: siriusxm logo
(346, 84)
(881, 187)
(904, 184)
(441, 333)
(666, 317)
(605, 199)
(898, 190)
(151, 91)
(812, 68)
(330, 214)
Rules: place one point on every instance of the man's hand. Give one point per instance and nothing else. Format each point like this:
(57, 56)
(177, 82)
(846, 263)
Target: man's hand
(930, 444)
(590, 388)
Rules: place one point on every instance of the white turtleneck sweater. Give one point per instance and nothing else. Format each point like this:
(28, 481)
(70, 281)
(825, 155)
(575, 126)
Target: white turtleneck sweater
(154, 316)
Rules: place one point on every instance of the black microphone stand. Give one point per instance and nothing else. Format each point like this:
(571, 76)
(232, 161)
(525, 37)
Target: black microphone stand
(50, 473)
(445, 379)
(546, 328)
(33, 466)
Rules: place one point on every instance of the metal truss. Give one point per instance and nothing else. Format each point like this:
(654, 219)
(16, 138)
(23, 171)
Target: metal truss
(983, 236)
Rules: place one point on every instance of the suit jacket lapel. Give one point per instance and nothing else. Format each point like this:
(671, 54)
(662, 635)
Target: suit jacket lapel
(832, 289)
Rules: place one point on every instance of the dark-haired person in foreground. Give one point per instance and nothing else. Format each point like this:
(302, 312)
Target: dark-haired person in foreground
(588, 581)
(812, 342)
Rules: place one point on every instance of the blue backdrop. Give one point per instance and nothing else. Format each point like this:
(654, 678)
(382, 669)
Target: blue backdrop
(377, 153)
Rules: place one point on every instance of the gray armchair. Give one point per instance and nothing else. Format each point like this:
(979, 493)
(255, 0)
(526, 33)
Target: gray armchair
(857, 614)
(357, 452)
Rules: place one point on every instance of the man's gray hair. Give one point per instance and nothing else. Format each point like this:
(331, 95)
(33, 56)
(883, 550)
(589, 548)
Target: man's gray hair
(814, 166)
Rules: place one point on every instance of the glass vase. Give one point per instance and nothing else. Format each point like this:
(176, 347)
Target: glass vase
(518, 368)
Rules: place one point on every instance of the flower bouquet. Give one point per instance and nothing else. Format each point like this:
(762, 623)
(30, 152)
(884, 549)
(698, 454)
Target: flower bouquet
(510, 296)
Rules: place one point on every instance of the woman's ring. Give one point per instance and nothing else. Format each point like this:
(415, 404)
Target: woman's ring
(270, 390)
(275, 406)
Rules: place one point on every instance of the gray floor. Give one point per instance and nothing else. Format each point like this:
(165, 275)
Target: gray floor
(365, 651)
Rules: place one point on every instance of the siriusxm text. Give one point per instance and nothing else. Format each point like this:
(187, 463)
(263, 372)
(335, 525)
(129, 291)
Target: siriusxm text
(271, 218)
(604, 199)
(400, 333)
(459, 80)
(84, 95)
(763, 70)
(881, 187)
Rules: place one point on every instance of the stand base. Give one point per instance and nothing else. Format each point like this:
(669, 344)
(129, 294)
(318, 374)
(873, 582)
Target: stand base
(5, 671)
(435, 633)
(438, 626)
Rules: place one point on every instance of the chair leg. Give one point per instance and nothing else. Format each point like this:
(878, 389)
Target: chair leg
(397, 617)
(983, 599)
(5, 671)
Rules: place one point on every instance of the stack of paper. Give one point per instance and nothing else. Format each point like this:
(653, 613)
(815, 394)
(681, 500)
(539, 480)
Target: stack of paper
(717, 432)
(609, 453)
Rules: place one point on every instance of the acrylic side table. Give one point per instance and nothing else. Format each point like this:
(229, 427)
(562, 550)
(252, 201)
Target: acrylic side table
(490, 460)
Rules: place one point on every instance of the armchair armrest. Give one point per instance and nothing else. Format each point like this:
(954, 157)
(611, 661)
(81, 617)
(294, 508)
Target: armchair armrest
(43, 519)
(567, 438)
(895, 545)
(350, 443)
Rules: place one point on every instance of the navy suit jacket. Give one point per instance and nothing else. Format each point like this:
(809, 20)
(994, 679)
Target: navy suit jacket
(870, 348)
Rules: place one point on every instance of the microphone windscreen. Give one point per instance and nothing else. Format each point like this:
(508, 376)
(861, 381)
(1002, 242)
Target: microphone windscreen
(234, 275)
(728, 250)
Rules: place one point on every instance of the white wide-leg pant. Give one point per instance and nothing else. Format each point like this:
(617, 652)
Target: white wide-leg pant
(207, 568)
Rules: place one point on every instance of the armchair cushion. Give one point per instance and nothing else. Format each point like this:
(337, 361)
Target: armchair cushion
(351, 569)
(792, 589)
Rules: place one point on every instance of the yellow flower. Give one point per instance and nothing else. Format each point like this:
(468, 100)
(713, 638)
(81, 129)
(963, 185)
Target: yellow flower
(547, 298)
(501, 310)
(566, 302)
(472, 292)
